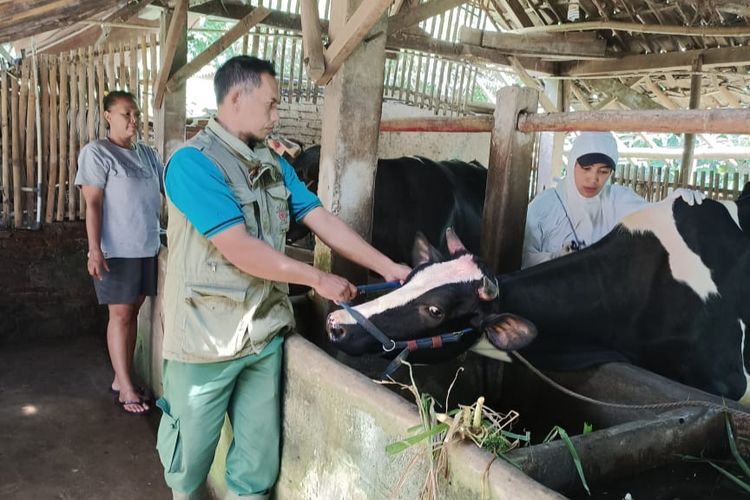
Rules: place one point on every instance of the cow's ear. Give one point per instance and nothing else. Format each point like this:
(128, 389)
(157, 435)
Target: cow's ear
(422, 252)
(508, 332)
(454, 244)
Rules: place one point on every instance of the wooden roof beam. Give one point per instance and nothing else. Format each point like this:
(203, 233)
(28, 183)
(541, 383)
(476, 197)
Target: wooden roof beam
(701, 31)
(672, 61)
(174, 32)
(181, 75)
(419, 13)
(553, 46)
(312, 40)
(462, 51)
(351, 35)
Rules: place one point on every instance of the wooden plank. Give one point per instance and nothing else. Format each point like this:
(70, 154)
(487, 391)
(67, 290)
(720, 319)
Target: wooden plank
(419, 13)
(53, 138)
(72, 136)
(312, 40)
(82, 131)
(153, 56)
(175, 32)
(506, 194)
(63, 138)
(349, 37)
(43, 156)
(549, 46)
(5, 148)
(438, 124)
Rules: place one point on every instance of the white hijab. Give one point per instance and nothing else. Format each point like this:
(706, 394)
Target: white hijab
(592, 218)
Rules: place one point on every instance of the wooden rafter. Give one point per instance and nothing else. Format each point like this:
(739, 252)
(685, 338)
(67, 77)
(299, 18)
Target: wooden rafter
(180, 76)
(462, 51)
(729, 56)
(419, 13)
(702, 31)
(547, 45)
(351, 35)
(312, 40)
(629, 97)
(174, 32)
(30, 17)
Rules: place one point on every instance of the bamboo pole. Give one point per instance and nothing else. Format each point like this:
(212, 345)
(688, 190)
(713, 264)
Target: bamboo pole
(153, 56)
(29, 150)
(111, 75)
(82, 131)
(122, 76)
(101, 79)
(53, 119)
(91, 111)
(45, 122)
(15, 134)
(144, 91)
(6, 148)
(72, 137)
(133, 59)
(23, 101)
(62, 138)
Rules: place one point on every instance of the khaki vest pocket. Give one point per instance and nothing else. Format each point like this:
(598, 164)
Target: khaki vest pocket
(280, 205)
(168, 440)
(212, 321)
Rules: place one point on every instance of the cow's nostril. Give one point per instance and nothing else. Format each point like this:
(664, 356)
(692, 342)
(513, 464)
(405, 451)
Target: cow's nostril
(335, 331)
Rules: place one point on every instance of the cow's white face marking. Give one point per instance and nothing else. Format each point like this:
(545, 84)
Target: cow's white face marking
(461, 270)
(733, 211)
(686, 266)
(745, 399)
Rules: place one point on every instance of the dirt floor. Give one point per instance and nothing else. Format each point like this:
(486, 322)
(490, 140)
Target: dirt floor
(62, 436)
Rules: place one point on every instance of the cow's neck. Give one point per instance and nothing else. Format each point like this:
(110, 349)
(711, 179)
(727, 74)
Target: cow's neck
(557, 291)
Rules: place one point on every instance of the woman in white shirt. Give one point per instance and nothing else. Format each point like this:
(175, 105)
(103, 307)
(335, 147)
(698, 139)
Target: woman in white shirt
(583, 207)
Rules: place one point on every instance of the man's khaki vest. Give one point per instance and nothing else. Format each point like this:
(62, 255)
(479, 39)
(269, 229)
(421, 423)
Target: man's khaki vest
(212, 310)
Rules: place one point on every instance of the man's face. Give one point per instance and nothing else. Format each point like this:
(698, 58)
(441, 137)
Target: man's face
(257, 109)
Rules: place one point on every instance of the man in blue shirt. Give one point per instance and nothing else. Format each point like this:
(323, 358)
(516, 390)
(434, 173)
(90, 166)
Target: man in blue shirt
(226, 304)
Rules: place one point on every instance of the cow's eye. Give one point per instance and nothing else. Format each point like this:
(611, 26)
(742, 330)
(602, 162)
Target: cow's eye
(435, 312)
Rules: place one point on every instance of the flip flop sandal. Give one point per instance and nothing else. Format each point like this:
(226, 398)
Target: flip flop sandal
(122, 405)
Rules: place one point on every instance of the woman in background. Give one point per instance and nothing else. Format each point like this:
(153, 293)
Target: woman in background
(121, 181)
(583, 207)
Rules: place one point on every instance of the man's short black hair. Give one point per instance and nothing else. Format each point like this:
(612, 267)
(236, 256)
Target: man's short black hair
(240, 70)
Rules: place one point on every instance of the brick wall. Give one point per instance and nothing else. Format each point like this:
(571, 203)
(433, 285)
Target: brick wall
(46, 290)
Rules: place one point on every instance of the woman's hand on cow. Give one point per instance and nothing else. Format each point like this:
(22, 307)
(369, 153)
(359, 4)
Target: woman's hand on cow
(97, 264)
(397, 272)
(689, 196)
(335, 288)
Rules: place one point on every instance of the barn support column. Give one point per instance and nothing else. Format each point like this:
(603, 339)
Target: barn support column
(507, 192)
(550, 162)
(349, 141)
(169, 118)
(689, 142)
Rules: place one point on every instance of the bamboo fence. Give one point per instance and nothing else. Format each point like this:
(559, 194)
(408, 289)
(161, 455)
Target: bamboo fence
(655, 183)
(68, 88)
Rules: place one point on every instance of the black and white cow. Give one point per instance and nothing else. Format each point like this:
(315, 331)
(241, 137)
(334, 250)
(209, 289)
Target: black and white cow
(668, 290)
(414, 194)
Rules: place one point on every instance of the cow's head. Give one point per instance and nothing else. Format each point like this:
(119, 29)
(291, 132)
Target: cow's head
(439, 296)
